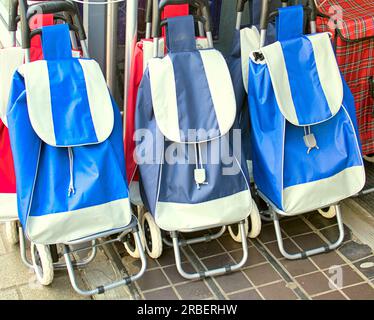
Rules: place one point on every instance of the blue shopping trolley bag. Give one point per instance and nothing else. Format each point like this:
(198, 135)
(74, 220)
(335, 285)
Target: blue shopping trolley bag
(306, 150)
(191, 174)
(245, 40)
(66, 139)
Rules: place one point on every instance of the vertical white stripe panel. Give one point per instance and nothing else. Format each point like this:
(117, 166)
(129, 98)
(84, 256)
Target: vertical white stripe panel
(148, 51)
(98, 99)
(221, 88)
(249, 41)
(328, 70)
(38, 94)
(279, 77)
(10, 59)
(164, 97)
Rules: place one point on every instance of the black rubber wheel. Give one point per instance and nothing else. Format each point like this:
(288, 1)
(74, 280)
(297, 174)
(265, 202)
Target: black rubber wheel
(54, 253)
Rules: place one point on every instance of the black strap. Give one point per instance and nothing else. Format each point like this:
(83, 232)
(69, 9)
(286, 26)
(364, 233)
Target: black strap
(100, 289)
(258, 56)
(228, 268)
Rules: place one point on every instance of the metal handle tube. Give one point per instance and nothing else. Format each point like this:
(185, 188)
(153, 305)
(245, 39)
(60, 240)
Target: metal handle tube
(313, 16)
(13, 12)
(51, 7)
(264, 15)
(111, 45)
(131, 38)
(25, 29)
(264, 21)
(240, 5)
(148, 11)
(239, 12)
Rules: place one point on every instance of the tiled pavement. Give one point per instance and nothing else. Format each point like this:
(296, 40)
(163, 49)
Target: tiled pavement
(265, 276)
(18, 282)
(367, 201)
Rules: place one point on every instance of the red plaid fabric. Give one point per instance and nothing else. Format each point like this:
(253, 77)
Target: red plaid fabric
(353, 33)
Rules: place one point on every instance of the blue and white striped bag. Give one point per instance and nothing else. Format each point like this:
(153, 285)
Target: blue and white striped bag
(66, 138)
(306, 148)
(191, 175)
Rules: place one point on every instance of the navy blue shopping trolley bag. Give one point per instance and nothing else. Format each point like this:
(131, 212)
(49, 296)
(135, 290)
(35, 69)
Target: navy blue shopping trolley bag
(306, 149)
(66, 139)
(190, 172)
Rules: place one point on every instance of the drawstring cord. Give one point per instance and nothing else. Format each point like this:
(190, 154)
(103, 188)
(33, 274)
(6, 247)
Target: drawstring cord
(71, 168)
(307, 130)
(200, 157)
(199, 172)
(197, 166)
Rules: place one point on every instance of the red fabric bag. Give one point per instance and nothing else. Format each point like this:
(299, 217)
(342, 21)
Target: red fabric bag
(136, 74)
(7, 174)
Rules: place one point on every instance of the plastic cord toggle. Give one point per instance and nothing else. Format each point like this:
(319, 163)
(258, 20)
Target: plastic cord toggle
(309, 139)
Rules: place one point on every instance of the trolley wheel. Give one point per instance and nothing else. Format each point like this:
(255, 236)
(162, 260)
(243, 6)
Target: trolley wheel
(255, 221)
(54, 253)
(235, 232)
(328, 213)
(152, 234)
(130, 245)
(369, 158)
(42, 263)
(262, 206)
(11, 232)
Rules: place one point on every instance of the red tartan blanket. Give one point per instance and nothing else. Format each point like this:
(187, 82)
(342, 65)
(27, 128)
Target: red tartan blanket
(355, 17)
(353, 32)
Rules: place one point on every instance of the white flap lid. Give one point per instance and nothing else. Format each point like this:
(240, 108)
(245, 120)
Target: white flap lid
(192, 92)
(249, 41)
(306, 78)
(68, 101)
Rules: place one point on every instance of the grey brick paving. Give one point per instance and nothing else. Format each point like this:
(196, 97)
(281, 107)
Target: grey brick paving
(306, 279)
